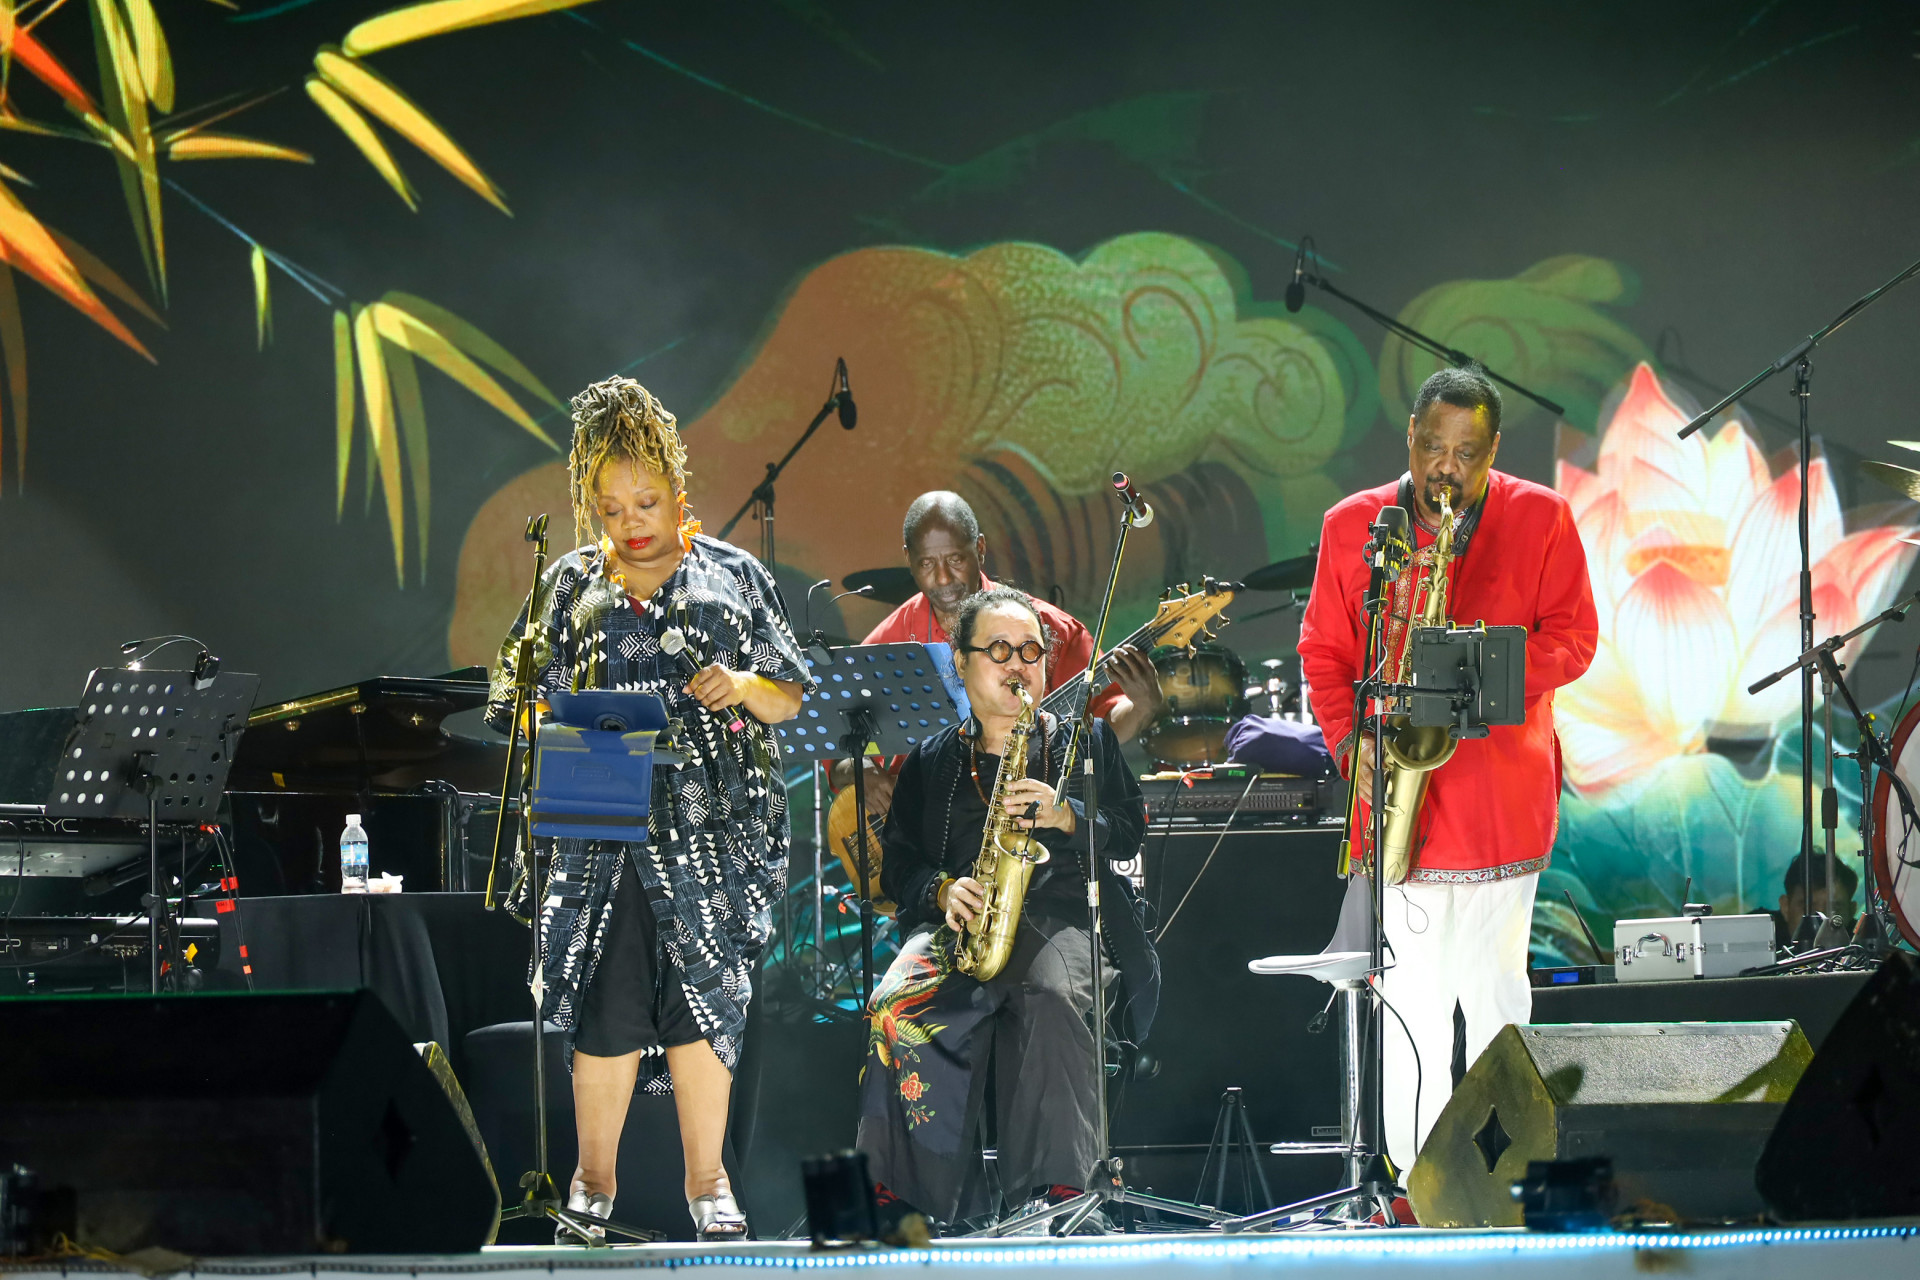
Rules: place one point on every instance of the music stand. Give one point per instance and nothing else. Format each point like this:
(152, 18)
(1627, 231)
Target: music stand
(591, 778)
(152, 745)
(873, 699)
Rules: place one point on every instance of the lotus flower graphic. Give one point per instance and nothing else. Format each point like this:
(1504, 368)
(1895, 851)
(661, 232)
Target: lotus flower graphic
(1694, 553)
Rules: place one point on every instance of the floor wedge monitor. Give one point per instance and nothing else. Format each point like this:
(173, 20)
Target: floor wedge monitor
(1681, 1108)
(1844, 1147)
(239, 1124)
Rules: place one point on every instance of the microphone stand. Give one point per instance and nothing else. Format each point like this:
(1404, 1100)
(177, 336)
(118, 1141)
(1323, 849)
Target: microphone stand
(760, 501)
(1106, 1183)
(1800, 360)
(1373, 1189)
(1432, 346)
(1872, 754)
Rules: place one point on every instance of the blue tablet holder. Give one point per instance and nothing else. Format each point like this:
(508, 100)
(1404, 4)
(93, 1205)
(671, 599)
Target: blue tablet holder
(593, 765)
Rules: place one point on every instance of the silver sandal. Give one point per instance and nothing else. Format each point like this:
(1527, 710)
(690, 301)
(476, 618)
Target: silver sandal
(717, 1217)
(594, 1235)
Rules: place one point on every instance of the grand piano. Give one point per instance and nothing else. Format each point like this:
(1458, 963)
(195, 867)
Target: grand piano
(409, 754)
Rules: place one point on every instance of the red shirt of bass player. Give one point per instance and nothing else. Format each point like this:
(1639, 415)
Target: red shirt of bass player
(1492, 811)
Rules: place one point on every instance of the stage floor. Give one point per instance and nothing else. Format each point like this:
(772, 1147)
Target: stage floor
(1381, 1255)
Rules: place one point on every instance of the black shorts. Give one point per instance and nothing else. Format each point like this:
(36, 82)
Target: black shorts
(635, 1000)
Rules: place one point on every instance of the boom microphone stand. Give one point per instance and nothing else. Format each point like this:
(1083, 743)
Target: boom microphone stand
(1106, 1183)
(1800, 360)
(760, 500)
(1303, 275)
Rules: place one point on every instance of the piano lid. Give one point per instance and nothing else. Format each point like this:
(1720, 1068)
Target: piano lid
(384, 735)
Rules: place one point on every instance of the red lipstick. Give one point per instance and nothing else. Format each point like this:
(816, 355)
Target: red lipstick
(638, 544)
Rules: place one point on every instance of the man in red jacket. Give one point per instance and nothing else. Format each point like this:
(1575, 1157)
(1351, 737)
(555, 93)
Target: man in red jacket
(1457, 929)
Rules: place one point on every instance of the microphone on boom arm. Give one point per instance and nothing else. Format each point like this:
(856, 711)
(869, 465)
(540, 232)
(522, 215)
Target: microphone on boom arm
(1297, 287)
(1387, 549)
(1139, 514)
(843, 396)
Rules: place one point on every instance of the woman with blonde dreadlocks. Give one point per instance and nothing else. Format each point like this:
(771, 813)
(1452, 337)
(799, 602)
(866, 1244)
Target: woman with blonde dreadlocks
(649, 949)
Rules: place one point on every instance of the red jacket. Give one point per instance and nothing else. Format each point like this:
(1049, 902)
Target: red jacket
(1492, 810)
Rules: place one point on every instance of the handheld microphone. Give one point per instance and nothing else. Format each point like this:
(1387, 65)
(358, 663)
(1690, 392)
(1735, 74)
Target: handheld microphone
(843, 396)
(1139, 514)
(1297, 289)
(673, 641)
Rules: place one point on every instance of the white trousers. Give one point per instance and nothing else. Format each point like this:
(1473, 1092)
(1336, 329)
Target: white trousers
(1448, 943)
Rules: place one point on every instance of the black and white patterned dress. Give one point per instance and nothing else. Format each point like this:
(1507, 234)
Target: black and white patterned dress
(716, 860)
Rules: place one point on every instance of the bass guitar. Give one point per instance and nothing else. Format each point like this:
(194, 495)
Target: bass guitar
(1183, 618)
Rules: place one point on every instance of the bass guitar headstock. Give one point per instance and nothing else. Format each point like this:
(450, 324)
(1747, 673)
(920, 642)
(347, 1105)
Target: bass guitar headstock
(1186, 616)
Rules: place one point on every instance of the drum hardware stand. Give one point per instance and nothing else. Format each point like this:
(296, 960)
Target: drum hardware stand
(760, 501)
(1106, 1182)
(1799, 359)
(1231, 1126)
(1871, 754)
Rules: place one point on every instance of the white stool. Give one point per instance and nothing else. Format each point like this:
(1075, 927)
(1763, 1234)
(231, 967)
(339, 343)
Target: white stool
(1346, 973)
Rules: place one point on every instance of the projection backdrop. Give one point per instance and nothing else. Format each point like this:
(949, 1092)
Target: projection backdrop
(313, 281)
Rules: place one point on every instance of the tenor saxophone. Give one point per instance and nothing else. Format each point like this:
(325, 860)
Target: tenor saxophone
(1007, 858)
(1412, 751)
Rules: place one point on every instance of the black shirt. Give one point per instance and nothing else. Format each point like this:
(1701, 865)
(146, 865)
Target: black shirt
(934, 827)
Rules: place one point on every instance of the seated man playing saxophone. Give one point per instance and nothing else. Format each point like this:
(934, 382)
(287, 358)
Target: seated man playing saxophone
(935, 1028)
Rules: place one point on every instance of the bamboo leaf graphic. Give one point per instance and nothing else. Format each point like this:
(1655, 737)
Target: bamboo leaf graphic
(25, 49)
(470, 340)
(262, 303)
(230, 146)
(361, 135)
(415, 336)
(127, 114)
(413, 434)
(343, 407)
(13, 347)
(104, 276)
(32, 249)
(386, 441)
(380, 99)
(419, 21)
(150, 53)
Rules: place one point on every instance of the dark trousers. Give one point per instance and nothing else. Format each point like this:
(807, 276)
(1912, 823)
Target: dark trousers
(935, 1031)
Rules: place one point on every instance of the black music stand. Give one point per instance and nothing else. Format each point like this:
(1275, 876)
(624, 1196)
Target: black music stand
(590, 777)
(873, 699)
(152, 745)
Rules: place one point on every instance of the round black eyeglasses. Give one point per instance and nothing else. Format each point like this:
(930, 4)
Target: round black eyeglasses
(1001, 652)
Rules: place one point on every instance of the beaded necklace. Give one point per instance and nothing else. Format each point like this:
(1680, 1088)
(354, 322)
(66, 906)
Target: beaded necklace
(1046, 760)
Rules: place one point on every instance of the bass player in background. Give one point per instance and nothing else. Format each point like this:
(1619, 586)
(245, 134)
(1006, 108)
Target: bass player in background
(1457, 929)
(935, 1029)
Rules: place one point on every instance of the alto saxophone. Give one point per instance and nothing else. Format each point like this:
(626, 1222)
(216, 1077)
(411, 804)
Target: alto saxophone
(1007, 858)
(1412, 751)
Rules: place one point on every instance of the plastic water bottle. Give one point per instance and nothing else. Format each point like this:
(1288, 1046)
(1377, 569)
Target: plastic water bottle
(353, 856)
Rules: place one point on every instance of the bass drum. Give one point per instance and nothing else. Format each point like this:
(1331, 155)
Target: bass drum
(1205, 692)
(1896, 843)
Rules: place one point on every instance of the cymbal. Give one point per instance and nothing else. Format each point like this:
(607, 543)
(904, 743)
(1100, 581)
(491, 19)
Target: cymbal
(891, 585)
(1282, 575)
(1903, 480)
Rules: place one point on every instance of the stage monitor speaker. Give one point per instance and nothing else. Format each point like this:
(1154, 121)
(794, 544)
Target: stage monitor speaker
(1681, 1108)
(1844, 1147)
(239, 1124)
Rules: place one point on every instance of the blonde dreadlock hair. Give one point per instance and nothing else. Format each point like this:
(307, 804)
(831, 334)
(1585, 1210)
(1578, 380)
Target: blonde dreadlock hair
(617, 419)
